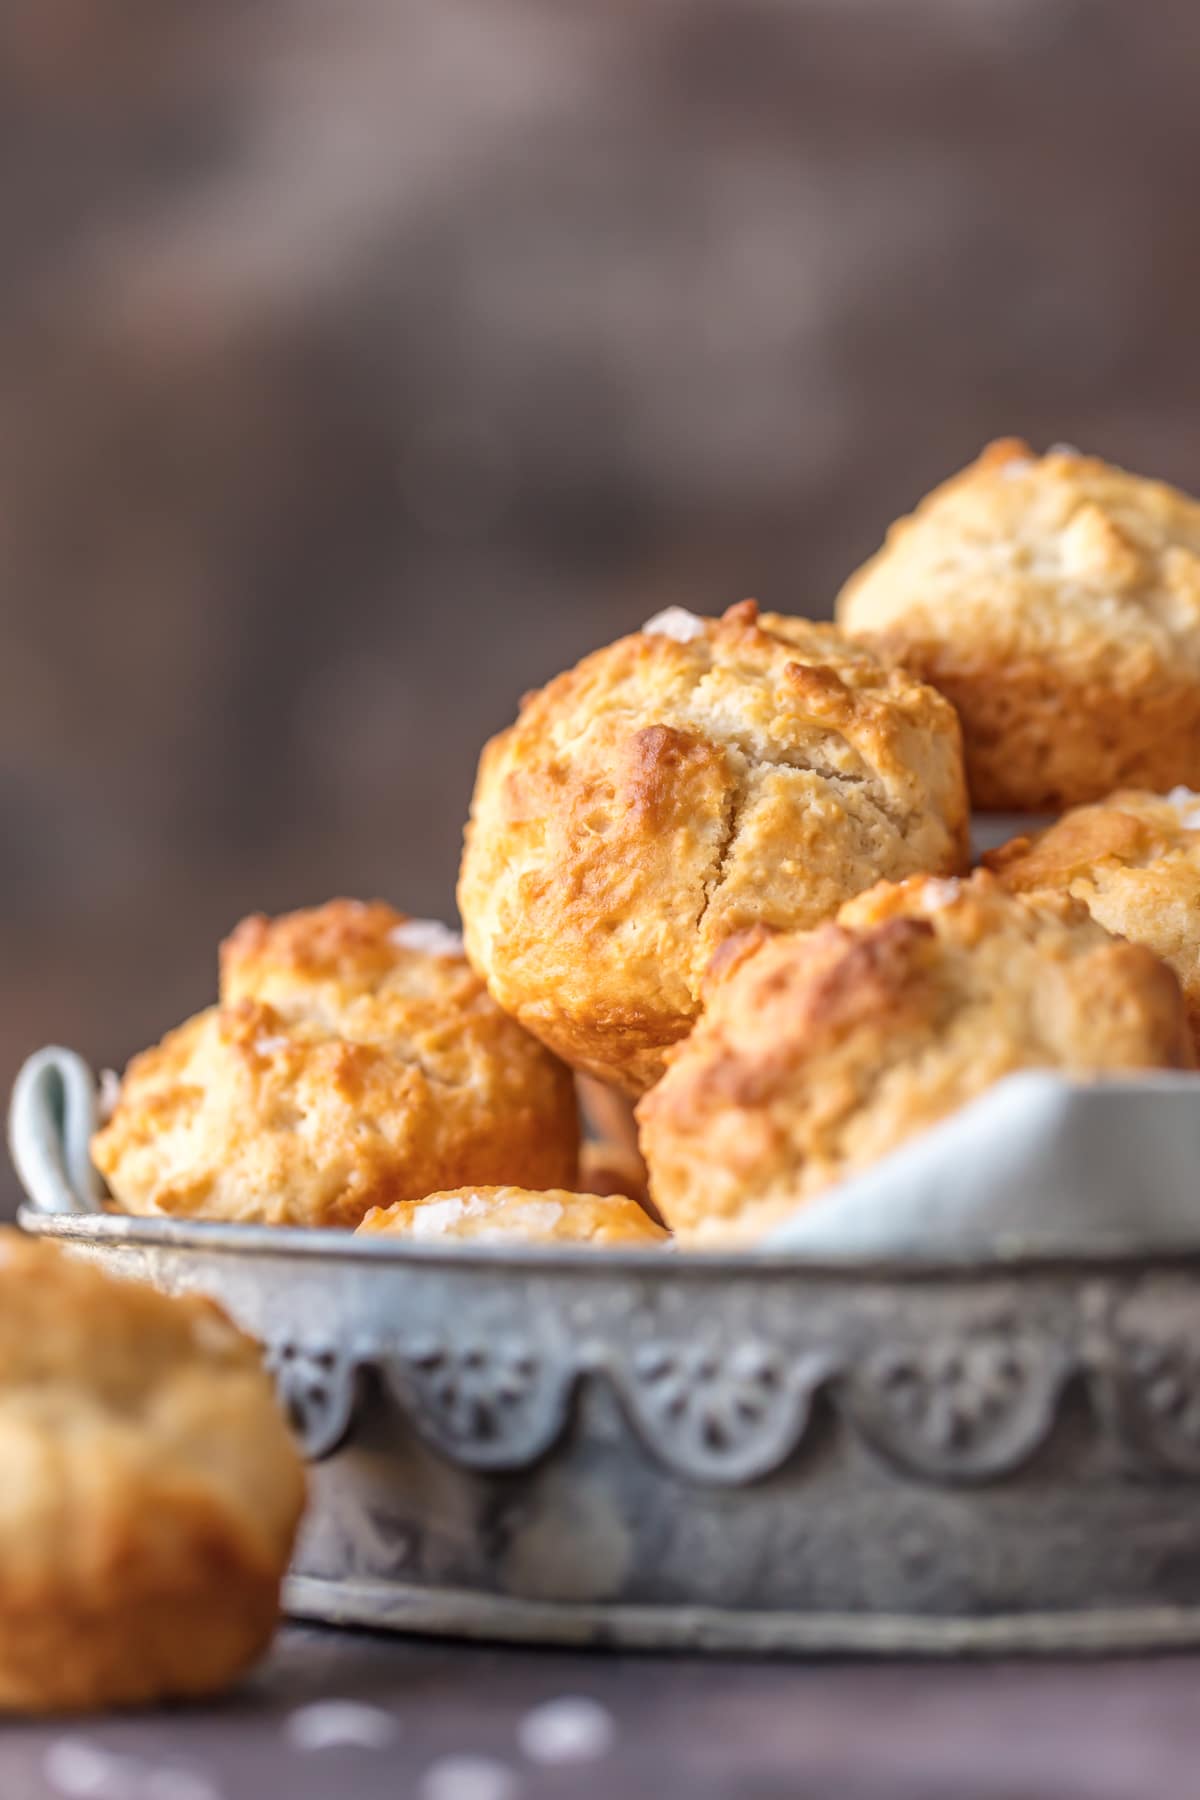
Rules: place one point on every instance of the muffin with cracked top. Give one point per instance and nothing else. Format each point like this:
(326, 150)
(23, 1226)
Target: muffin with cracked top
(695, 778)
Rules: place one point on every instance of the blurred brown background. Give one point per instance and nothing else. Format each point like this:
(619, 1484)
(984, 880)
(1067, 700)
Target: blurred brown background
(362, 362)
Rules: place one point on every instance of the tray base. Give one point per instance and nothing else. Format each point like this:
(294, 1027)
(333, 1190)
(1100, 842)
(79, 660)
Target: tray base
(456, 1612)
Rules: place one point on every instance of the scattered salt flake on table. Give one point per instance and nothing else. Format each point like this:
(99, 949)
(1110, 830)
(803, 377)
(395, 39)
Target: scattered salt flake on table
(177, 1784)
(331, 1724)
(573, 1729)
(675, 622)
(429, 935)
(80, 1770)
(467, 1778)
(1064, 450)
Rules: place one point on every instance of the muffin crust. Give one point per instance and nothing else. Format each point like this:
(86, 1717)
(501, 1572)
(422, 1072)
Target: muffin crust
(151, 1490)
(501, 1215)
(1056, 601)
(354, 1060)
(676, 787)
(1134, 861)
(820, 1052)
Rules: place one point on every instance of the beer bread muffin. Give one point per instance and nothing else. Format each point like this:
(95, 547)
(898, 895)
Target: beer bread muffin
(1056, 601)
(504, 1215)
(820, 1052)
(355, 1059)
(150, 1495)
(685, 782)
(1134, 862)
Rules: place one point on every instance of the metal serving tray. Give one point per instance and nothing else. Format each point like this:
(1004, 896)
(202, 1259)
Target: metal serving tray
(659, 1449)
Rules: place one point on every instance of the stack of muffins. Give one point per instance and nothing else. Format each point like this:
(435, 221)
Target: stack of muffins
(721, 867)
(720, 870)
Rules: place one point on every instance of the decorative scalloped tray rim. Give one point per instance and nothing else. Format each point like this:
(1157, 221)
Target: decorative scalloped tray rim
(287, 1240)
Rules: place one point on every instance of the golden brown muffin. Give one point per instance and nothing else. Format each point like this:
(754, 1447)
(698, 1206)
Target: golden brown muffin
(150, 1494)
(1134, 862)
(676, 787)
(1056, 601)
(820, 1052)
(356, 1060)
(502, 1215)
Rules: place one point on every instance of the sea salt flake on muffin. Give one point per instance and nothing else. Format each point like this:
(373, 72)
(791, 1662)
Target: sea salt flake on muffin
(507, 1215)
(427, 935)
(675, 622)
(1186, 801)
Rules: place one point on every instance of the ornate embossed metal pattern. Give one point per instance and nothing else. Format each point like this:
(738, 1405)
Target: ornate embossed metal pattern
(966, 1408)
(317, 1387)
(970, 1408)
(719, 1413)
(1149, 1384)
(486, 1405)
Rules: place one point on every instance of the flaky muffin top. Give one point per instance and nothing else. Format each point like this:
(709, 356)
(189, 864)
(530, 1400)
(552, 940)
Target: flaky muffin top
(818, 1052)
(1091, 844)
(1060, 557)
(517, 1215)
(1134, 861)
(355, 1059)
(340, 952)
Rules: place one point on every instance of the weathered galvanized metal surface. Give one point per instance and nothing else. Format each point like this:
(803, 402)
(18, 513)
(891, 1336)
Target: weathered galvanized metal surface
(657, 1449)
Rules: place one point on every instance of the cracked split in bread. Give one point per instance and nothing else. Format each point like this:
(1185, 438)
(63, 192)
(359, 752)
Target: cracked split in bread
(355, 1059)
(688, 781)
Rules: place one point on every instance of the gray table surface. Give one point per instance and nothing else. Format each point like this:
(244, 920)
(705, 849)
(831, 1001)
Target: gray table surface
(750, 1730)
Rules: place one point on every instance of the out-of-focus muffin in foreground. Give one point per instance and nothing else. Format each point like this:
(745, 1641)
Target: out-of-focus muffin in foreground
(507, 1215)
(820, 1052)
(682, 784)
(355, 1060)
(1134, 862)
(150, 1494)
(1056, 601)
